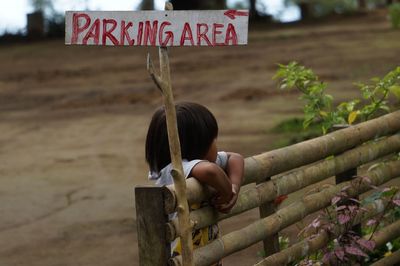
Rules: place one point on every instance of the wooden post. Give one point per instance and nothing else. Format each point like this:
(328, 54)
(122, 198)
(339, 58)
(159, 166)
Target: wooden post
(305, 10)
(147, 5)
(35, 26)
(347, 176)
(344, 177)
(151, 221)
(271, 243)
(163, 82)
(362, 5)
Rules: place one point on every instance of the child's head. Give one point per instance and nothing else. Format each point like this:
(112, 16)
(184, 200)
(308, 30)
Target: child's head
(197, 128)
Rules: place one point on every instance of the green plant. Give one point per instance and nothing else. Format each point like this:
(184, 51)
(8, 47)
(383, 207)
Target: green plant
(390, 214)
(319, 111)
(346, 246)
(320, 9)
(319, 106)
(394, 15)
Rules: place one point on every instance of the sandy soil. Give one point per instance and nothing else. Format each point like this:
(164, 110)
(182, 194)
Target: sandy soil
(73, 123)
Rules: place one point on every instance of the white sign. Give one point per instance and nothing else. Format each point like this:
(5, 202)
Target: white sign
(157, 28)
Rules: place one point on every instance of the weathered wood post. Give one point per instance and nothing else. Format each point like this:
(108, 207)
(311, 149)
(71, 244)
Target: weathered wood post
(154, 249)
(348, 176)
(147, 5)
(35, 26)
(271, 243)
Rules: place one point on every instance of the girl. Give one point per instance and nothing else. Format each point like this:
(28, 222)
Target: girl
(222, 171)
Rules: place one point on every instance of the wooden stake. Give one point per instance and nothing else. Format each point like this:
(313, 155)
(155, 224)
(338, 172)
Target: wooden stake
(163, 82)
(271, 243)
(154, 248)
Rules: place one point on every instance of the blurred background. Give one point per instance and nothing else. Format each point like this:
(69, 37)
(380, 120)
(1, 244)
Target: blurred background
(73, 119)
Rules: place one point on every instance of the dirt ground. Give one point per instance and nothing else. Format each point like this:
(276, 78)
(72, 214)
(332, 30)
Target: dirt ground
(73, 123)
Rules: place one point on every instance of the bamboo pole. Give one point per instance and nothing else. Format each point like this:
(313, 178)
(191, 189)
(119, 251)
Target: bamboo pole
(280, 160)
(163, 82)
(260, 167)
(393, 259)
(257, 231)
(317, 242)
(291, 182)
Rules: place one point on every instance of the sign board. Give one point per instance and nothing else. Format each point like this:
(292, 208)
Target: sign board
(157, 28)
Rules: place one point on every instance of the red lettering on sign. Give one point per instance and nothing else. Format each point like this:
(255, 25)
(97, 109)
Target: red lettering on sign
(187, 31)
(125, 33)
(140, 33)
(75, 26)
(111, 28)
(231, 35)
(93, 32)
(202, 34)
(169, 35)
(150, 33)
(216, 32)
(107, 33)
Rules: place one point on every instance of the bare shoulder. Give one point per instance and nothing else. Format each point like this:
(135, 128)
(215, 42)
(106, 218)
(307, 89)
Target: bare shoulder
(205, 170)
(234, 154)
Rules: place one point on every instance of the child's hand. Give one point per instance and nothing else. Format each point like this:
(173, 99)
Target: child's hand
(227, 206)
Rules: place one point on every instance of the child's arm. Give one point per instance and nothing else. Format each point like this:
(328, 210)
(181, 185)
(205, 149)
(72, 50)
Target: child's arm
(235, 170)
(212, 175)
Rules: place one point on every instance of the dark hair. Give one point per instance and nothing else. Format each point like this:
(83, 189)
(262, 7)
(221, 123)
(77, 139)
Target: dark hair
(197, 128)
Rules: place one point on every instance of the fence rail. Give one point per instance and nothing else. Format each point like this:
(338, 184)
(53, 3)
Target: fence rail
(291, 168)
(316, 243)
(257, 231)
(296, 180)
(260, 168)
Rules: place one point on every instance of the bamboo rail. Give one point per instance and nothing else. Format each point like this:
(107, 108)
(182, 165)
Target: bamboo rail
(317, 242)
(260, 167)
(283, 218)
(291, 182)
(393, 259)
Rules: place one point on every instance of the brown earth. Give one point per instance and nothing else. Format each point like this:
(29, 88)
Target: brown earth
(73, 123)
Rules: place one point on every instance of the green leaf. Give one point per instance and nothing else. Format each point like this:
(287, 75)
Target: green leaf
(323, 113)
(352, 117)
(385, 107)
(389, 192)
(366, 93)
(324, 130)
(330, 158)
(395, 90)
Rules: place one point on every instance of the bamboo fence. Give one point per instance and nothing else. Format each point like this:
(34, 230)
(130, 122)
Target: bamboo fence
(315, 243)
(293, 181)
(257, 231)
(260, 168)
(291, 168)
(389, 260)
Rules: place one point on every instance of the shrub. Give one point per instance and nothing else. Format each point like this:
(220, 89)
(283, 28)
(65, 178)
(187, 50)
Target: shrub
(319, 106)
(394, 15)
